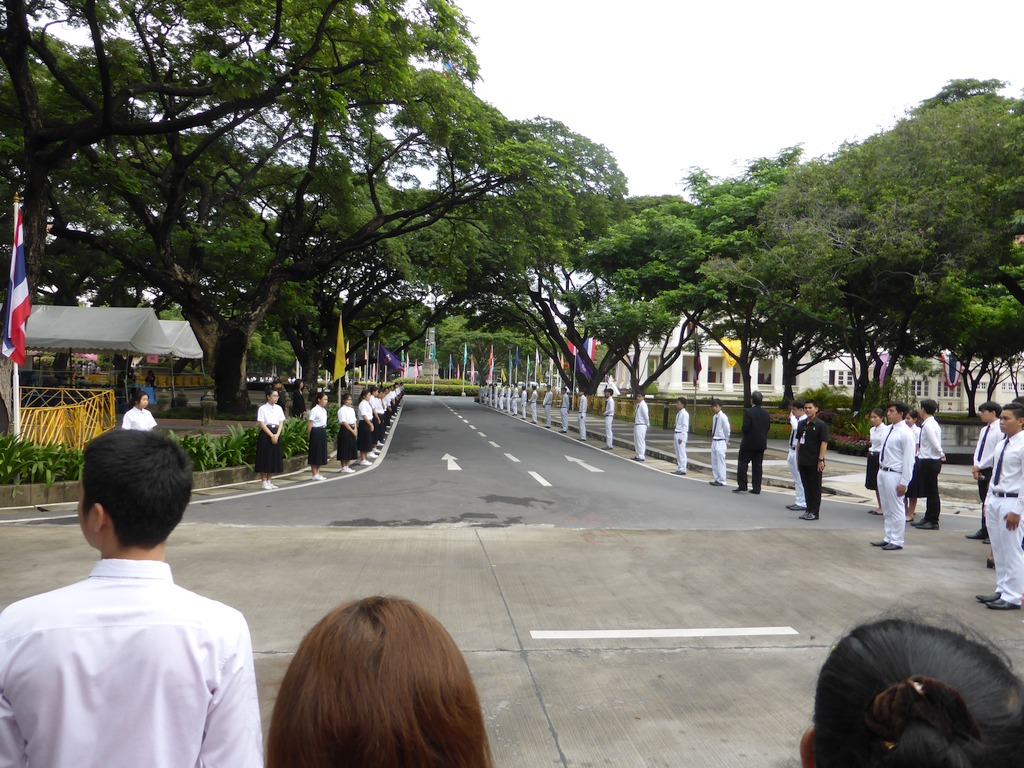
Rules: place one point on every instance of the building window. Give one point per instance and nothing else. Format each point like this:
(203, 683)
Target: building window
(737, 376)
(840, 378)
(920, 387)
(712, 377)
(945, 391)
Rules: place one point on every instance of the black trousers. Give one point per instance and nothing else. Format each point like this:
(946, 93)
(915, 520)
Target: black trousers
(928, 475)
(811, 478)
(983, 481)
(749, 456)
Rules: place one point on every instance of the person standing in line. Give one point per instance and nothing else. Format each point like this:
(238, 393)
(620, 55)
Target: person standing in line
(533, 405)
(796, 417)
(515, 402)
(138, 417)
(813, 442)
(680, 435)
(316, 433)
(876, 435)
(269, 456)
(524, 398)
(641, 420)
(929, 464)
(509, 400)
(377, 403)
(582, 417)
(911, 497)
(1005, 507)
(348, 433)
(127, 668)
(895, 468)
(364, 440)
(609, 417)
(720, 433)
(548, 398)
(564, 409)
(299, 400)
(501, 399)
(988, 441)
(756, 423)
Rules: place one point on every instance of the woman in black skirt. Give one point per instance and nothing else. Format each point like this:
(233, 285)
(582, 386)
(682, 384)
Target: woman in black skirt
(316, 432)
(877, 434)
(347, 433)
(364, 441)
(269, 458)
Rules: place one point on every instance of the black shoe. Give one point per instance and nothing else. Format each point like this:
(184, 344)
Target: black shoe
(679, 472)
(988, 598)
(986, 540)
(637, 458)
(977, 536)
(757, 492)
(808, 516)
(796, 508)
(927, 527)
(990, 563)
(609, 447)
(716, 483)
(1002, 605)
(890, 547)
(739, 490)
(879, 543)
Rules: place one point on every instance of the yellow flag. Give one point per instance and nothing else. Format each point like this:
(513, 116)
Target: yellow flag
(340, 353)
(734, 346)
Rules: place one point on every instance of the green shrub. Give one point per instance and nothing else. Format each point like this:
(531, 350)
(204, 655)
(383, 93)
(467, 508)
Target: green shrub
(828, 398)
(24, 462)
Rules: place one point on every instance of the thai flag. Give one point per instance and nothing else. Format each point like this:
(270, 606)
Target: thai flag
(19, 305)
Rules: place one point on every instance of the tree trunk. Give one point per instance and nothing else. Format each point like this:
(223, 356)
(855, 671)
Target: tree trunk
(229, 371)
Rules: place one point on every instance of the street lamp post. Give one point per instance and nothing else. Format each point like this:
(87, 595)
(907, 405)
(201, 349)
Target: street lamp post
(366, 364)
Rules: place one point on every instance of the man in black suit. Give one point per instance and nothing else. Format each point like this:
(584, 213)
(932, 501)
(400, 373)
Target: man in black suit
(755, 440)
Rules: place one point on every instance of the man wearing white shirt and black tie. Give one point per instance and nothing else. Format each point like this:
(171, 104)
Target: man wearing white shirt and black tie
(681, 434)
(895, 468)
(988, 439)
(930, 457)
(641, 420)
(609, 417)
(1004, 507)
(720, 431)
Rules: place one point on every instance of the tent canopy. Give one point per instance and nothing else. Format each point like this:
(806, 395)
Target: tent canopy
(127, 330)
(182, 339)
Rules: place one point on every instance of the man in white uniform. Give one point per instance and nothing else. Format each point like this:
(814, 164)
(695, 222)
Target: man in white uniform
(533, 405)
(548, 399)
(641, 420)
(126, 668)
(796, 415)
(582, 417)
(564, 409)
(609, 417)
(720, 431)
(895, 468)
(515, 401)
(680, 435)
(524, 398)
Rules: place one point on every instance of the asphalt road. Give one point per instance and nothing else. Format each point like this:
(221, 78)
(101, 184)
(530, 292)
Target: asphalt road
(622, 617)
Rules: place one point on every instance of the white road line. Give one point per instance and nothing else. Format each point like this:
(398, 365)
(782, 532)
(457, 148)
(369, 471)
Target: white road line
(38, 519)
(471, 426)
(540, 479)
(584, 464)
(511, 458)
(481, 434)
(494, 444)
(633, 634)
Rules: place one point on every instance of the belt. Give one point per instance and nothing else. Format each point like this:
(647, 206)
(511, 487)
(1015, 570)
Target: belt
(718, 440)
(887, 469)
(1005, 495)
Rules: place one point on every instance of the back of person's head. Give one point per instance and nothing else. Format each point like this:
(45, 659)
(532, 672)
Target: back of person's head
(798, 404)
(900, 693)
(378, 683)
(929, 406)
(756, 397)
(991, 407)
(143, 481)
(681, 401)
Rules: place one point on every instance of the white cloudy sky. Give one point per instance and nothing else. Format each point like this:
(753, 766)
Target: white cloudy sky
(669, 85)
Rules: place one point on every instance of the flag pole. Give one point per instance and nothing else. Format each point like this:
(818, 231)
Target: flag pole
(16, 381)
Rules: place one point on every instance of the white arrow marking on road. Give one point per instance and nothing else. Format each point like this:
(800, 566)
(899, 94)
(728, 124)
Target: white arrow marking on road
(494, 444)
(512, 458)
(540, 479)
(452, 466)
(584, 464)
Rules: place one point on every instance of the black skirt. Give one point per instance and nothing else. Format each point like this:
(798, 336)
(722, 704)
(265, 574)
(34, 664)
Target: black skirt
(346, 445)
(871, 476)
(317, 447)
(365, 441)
(269, 457)
(914, 489)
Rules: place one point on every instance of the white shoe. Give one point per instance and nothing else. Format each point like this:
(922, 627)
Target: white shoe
(272, 487)
(347, 470)
(266, 486)
(380, 444)
(319, 477)
(364, 463)
(373, 454)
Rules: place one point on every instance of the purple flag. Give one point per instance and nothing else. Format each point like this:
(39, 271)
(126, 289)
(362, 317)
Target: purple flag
(388, 358)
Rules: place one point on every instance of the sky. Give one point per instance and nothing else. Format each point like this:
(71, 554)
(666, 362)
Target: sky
(671, 85)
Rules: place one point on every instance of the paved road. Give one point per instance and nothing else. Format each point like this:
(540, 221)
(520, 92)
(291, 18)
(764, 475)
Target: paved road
(635, 568)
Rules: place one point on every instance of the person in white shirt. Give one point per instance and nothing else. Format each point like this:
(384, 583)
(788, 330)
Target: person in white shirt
(609, 418)
(876, 434)
(989, 437)
(524, 398)
(138, 416)
(125, 668)
(641, 420)
(515, 401)
(911, 497)
(378, 421)
(582, 417)
(564, 409)
(548, 398)
(720, 432)
(269, 457)
(348, 433)
(680, 434)
(533, 405)
(364, 441)
(796, 415)
(316, 433)
(895, 469)
(1005, 507)
(929, 463)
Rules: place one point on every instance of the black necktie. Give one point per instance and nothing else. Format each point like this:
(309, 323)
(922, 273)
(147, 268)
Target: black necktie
(881, 456)
(999, 464)
(981, 448)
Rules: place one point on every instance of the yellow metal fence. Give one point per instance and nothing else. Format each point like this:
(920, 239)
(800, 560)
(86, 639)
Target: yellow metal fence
(70, 417)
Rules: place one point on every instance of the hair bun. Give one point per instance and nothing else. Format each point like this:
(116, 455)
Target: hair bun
(918, 699)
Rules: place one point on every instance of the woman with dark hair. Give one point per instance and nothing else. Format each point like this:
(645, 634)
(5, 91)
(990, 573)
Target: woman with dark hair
(378, 683)
(299, 400)
(900, 693)
(364, 440)
(877, 435)
(316, 433)
(269, 454)
(138, 416)
(347, 433)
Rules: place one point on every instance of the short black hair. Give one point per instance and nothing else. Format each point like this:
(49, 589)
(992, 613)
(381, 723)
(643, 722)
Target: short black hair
(901, 408)
(143, 481)
(929, 406)
(137, 395)
(797, 404)
(681, 401)
(810, 402)
(756, 397)
(715, 401)
(1016, 408)
(878, 412)
(995, 408)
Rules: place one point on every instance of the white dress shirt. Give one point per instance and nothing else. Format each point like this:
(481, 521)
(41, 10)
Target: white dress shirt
(548, 397)
(877, 434)
(794, 425)
(139, 419)
(318, 415)
(347, 415)
(989, 439)
(682, 422)
(270, 414)
(609, 406)
(642, 415)
(365, 411)
(1010, 470)
(127, 669)
(930, 443)
(897, 452)
(720, 427)
(583, 406)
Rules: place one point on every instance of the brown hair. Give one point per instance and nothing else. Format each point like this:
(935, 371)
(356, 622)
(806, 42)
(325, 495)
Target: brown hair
(378, 683)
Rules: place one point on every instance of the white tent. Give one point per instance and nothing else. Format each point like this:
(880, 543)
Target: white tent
(182, 339)
(98, 329)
